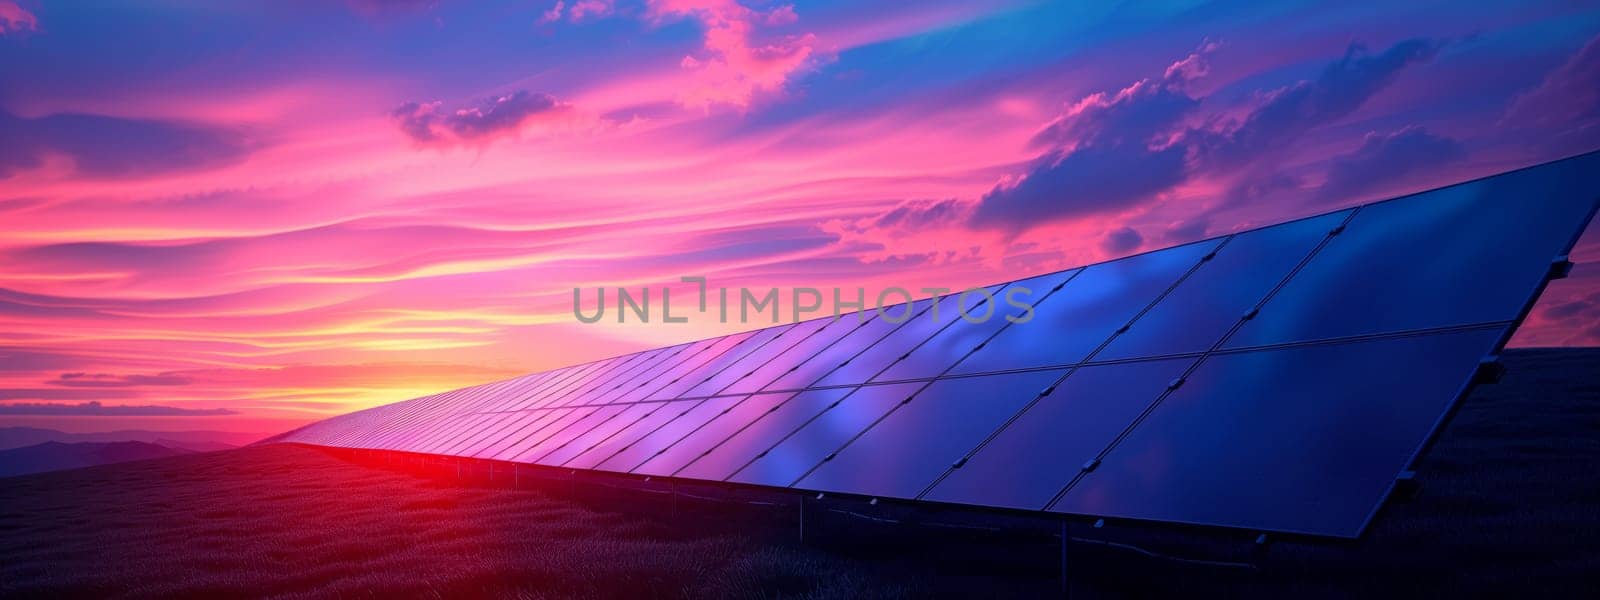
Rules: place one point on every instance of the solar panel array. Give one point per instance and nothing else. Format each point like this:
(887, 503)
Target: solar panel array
(1277, 379)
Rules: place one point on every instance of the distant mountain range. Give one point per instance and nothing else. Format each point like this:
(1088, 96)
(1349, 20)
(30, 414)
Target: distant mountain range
(56, 456)
(200, 441)
(25, 450)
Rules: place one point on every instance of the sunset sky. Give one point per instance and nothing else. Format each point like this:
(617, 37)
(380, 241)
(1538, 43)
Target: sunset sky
(249, 215)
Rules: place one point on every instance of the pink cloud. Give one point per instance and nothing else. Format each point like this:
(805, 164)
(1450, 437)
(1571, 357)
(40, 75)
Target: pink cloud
(427, 124)
(737, 64)
(15, 19)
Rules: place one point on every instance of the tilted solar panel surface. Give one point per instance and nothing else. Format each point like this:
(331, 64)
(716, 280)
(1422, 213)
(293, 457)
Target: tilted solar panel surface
(1278, 379)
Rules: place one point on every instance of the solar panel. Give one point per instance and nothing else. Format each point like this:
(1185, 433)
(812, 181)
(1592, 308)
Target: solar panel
(1277, 379)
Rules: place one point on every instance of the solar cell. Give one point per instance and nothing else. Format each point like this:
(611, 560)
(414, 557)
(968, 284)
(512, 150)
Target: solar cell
(1052, 440)
(819, 363)
(815, 438)
(904, 452)
(657, 440)
(1076, 320)
(952, 343)
(873, 359)
(1470, 253)
(1302, 439)
(1197, 313)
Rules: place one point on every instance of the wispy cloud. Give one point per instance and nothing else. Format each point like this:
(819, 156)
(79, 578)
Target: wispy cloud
(96, 409)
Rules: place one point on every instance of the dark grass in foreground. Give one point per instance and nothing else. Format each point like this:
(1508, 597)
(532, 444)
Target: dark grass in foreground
(1509, 506)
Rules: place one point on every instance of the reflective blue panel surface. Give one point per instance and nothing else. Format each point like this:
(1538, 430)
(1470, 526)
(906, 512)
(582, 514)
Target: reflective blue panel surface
(748, 364)
(525, 441)
(954, 342)
(662, 372)
(1033, 458)
(835, 337)
(501, 437)
(654, 442)
(930, 319)
(904, 453)
(825, 433)
(680, 452)
(605, 380)
(523, 431)
(1086, 312)
(598, 432)
(683, 374)
(658, 415)
(760, 340)
(820, 363)
(1196, 315)
(559, 437)
(1303, 439)
(749, 429)
(1469, 253)
(637, 373)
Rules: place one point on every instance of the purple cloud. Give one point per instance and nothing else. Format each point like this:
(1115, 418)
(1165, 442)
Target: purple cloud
(1384, 159)
(1122, 241)
(425, 123)
(101, 146)
(1567, 102)
(96, 409)
(108, 380)
(15, 19)
(1287, 113)
(1108, 152)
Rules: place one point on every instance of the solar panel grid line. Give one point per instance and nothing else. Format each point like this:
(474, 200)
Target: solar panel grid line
(646, 367)
(833, 366)
(552, 380)
(508, 435)
(1098, 302)
(459, 407)
(579, 379)
(781, 404)
(1510, 329)
(1000, 325)
(862, 325)
(893, 352)
(1069, 276)
(492, 397)
(647, 391)
(747, 365)
(648, 447)
(1223, 250)
(525, 433)
(558, 437)
(404, 428)
(596, 379)
(623, 432)
(717, 350)
(828, 336)
(753, 341)
(350, 433)
(797, 343)
(736, 431)
(533, 432)
(1245, 318)
(655, 374)
(538, 455)
(567, 386)
(707, 349)
(496, 424)
(1219, 247)
(600, 431)
(1297, 481)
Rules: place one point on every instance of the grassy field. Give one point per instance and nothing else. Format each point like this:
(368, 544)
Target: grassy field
(1509, 506)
